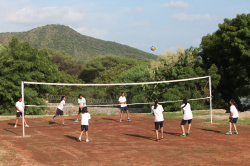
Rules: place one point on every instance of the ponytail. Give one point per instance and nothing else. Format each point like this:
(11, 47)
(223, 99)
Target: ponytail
(185, 102)
(233, 102)
(62, 98)
(156, 102)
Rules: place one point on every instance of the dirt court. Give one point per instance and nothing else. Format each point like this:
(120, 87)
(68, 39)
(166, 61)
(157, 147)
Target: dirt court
(126, 143)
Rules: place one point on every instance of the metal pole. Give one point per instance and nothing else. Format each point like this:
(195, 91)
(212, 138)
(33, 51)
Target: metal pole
(22, 88)
(210, 91)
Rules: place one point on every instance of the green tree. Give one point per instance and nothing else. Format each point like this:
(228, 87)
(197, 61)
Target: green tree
(183, 66)
(229, 49)
(21, 62)
(134, 93)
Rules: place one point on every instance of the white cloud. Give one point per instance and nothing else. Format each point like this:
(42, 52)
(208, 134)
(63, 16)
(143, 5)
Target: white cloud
(176, 5)
(196, 17)
(48, 15)
(93, 32)
(140, 9)
(139, 24)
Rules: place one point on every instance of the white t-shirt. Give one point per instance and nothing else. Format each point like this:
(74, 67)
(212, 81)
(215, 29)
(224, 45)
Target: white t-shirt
(20, 106)
(158, 113)
(123, 99)
(81, 101)
(234, 111)
(187, 112)
(61, 105)
(85, 119)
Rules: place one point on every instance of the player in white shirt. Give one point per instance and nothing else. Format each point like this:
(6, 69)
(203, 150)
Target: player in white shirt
(20, 109)
(123, 101)
(234, 115)
(157, 111)
(187, 117)
(85, 117)
(59, 110)
(82, 103)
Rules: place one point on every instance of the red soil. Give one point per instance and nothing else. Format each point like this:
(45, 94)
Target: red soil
(126, 143)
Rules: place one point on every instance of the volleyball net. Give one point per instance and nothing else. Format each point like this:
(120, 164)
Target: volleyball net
(197, 91)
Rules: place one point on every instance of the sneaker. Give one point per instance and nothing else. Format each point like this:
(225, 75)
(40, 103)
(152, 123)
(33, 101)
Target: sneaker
(188, 132)
(52, 119)
(120, 120)
(79, 139)
(15, 126)
(76, 120)
(236, 132)
(89, 121)
(157, 140)
(162, 138)
(27, 125)
(63, 124)
(128, 120)
(229, 133)
(87, 140)
(183, 135)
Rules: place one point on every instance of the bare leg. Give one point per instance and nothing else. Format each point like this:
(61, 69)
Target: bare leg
(230, 126)
(127, 114)
(62, 119)
(162, 132)
(25, 122)
(234, 126)
(87, 134)
(182, 129)
(81, 134)
(121, 114)
(78, 116)
(189, 127)
(16, 120)
(157, 135)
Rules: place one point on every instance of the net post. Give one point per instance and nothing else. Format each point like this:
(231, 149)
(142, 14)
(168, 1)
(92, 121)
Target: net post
(22, 88)
(210, 92)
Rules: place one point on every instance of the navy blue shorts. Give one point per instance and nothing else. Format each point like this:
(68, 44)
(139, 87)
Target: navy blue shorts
(86, 127)
(157, 125)
(18, 114)
(183, 122)
(124, 108)
(233, 120)
(80, 110)
(59, 112)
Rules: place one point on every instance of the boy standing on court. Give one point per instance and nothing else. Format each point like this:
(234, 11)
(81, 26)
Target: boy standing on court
(122, 100)
(82, 103)
(20, 109)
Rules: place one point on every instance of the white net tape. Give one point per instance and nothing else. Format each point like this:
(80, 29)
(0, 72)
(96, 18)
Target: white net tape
(117, 84)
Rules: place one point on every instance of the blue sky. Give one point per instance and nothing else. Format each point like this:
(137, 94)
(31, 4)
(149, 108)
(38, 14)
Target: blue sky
(137, 23)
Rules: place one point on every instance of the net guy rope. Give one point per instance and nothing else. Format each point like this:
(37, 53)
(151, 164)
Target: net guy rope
(119, 84)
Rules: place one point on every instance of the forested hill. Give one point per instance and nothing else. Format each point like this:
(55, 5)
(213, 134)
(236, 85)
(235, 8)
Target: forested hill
(81, 47)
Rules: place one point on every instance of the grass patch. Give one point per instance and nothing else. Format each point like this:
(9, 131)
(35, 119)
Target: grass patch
(172, 114)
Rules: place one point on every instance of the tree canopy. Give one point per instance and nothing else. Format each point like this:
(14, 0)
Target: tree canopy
(229, 50)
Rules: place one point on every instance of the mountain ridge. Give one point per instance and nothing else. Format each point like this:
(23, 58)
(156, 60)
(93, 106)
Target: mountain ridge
(81, 47)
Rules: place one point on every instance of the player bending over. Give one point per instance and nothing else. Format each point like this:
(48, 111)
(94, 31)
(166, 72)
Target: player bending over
(234, 115)
(20, 109)
(187, 117)
(122, 100)
(157, 110)
(59, 110)
(84, 123)
(82, 103)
